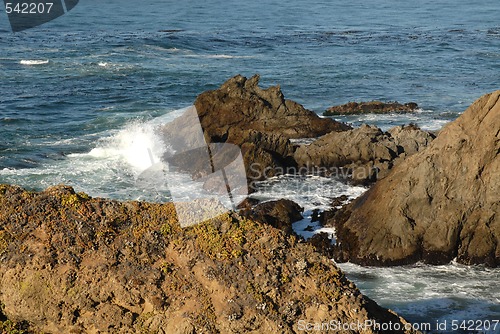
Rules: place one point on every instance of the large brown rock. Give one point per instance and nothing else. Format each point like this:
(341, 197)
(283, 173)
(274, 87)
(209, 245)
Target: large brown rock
(364, 153)
(240, 103)
(264, 154)
(73, 264)
(439, 204)
(260, 121)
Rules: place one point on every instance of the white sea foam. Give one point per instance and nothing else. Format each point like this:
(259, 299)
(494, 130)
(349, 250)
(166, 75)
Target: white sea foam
(31, 62)
(424, 293)
(111, 168)
(138, 145)
(310, 192)
(221, 56)
(425, 119)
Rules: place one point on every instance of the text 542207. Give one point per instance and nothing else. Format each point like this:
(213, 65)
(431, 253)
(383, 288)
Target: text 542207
(28, 7)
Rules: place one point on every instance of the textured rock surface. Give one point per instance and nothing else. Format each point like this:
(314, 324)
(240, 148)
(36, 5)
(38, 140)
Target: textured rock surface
(240, 103)
(73, 264)
(280, 214)
(265, 154)
(376, 107)
(260, 121)
(438, 204)
(366, 152)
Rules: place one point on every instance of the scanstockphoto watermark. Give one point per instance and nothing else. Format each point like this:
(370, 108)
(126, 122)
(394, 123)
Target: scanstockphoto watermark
(359, 326)
(28, 14)
(473, 326)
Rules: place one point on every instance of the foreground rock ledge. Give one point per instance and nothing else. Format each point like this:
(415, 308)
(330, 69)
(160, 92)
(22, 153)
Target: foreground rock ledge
(74, 264)
(439, 204)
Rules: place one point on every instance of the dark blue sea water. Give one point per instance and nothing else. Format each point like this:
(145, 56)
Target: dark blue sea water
(79, 95)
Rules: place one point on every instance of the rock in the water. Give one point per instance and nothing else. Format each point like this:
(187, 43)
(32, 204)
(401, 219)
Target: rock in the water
(260, 121)
(73, 264)
(441, 203)
(322, 243)
(265, 154)
(365, 154)
(240, 103)
(375, 107)
(280, 214)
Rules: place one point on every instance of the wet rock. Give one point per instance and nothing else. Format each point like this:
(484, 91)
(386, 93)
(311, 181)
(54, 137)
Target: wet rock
(259, 121)
(315, 215)
(374, 107)
(280, 214)
(439, 204)
(265, 154)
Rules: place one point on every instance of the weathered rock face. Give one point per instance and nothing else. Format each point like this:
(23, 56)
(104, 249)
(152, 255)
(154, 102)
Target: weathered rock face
(366, 153)
(375, 107)
(240, 103)
(410, 139)
(73, 264)
(438, 204)
(265, 154)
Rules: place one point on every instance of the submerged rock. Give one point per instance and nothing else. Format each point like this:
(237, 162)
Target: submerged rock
(74, 264)
(441, 203)
(375, 107)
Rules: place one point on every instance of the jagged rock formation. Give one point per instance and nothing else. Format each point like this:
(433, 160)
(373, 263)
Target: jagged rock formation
(240, 103)
(75, 264)
(375, 107)
(439, 204)
(260, 121)
(365, 153)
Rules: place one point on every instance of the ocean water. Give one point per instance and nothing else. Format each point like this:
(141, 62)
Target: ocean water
(80, 97)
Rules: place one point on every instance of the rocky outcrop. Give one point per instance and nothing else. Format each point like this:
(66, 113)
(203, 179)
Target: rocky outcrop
(280, 214)
(240, 103)
(75, 264)
(441, 203)
(365, 154)
(374, 107)
(410, 139)
(260, 121)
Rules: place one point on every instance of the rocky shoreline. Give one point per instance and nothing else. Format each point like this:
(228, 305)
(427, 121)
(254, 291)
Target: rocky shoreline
(72, 263)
